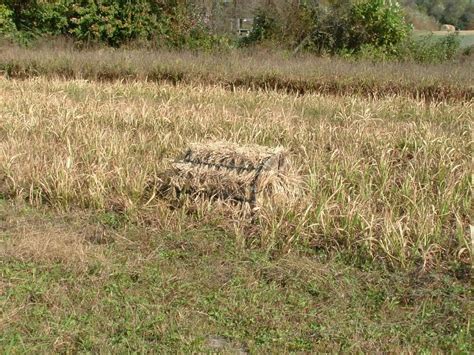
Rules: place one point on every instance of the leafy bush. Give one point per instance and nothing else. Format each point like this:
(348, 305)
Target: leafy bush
(371, 29)
(379, 23)
(430, 49)
(51, 18)
(181, 27)
(350, 27)
(7, 26)
(33, 18)
(264, 28)
(286, 27)
(373, 53)
(112, 22)
(468, 52)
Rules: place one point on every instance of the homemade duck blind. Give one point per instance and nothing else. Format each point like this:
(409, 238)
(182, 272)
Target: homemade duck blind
(226, 171)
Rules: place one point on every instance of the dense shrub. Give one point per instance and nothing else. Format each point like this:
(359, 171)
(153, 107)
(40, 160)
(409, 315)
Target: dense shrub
(374, 29)
(113, 22)
(345, 27)
(7, 26)
(264, 28)
(50, 18)
(459, 13)
(350, 27)
(430, 49)
(379, 23)
(181, 27)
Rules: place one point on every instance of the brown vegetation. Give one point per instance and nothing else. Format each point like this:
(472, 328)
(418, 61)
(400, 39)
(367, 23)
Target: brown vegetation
(35, 238)
(300, 75)
(94, 259)
(386, 178)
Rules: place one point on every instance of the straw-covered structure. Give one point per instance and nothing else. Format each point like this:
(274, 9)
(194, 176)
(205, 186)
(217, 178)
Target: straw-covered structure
(248, 174)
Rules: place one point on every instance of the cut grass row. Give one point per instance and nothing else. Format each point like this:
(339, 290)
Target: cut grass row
(261, 70)
(386, 180)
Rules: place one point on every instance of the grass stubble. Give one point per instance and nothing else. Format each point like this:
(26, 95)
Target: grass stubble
(109, 264)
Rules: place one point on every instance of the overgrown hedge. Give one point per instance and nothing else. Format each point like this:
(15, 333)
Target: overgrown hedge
(110, 22)
(374, 29)
(368, 29)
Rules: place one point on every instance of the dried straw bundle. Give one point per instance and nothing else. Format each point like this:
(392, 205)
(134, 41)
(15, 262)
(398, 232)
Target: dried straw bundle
(249, 174)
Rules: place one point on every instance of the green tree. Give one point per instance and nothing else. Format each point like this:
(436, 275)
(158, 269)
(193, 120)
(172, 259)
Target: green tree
(7, 25)
(350, 26)
(112, 22)
(378, 23)
(459, 13)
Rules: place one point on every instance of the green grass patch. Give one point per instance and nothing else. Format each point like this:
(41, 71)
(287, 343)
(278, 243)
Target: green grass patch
(198, 291)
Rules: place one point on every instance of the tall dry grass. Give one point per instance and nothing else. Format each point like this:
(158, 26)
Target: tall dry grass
(387, 179)
(240, 69)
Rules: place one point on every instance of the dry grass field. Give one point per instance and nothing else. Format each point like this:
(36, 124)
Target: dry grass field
(376, 255)
(248, 70)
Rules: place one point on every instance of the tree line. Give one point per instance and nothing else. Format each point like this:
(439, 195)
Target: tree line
(459, 13)
(373, 28)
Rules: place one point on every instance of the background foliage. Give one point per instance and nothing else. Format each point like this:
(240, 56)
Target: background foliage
(110, 22)
(459, 13)
(377, 29)
(343, 27)
(7, 26)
